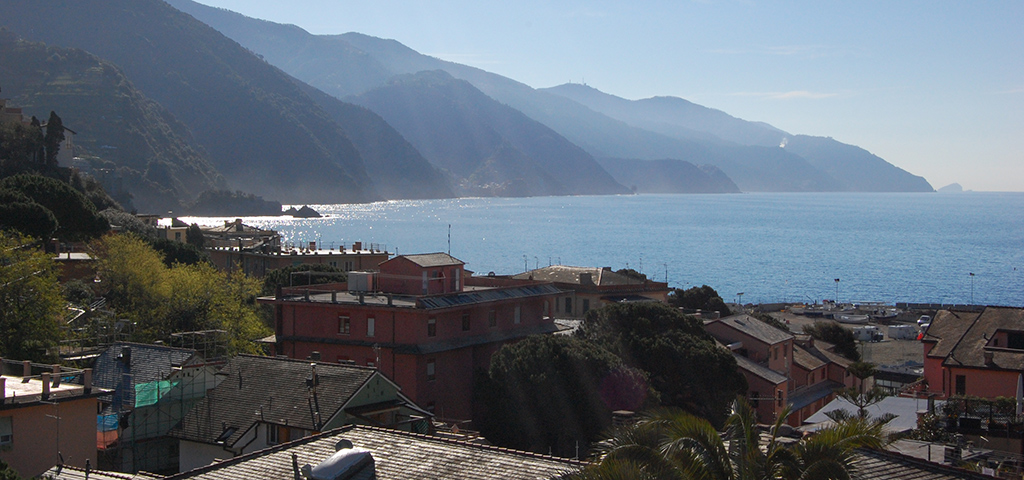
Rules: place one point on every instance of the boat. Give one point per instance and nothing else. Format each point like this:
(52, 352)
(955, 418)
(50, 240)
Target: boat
(852, 319)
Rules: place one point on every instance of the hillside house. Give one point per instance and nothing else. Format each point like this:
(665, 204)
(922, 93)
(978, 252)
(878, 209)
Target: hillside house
(974, 353)
(780, 370)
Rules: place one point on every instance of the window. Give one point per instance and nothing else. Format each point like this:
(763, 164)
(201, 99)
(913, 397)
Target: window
(370, 326)
(775, 351)
(465, 321)
(961, 385)
(778, 396)
(568, 304)
(424, 275)
(334, 263)
(586, 305)
(6, 430)
(344, 325)
(430, 369)
(272, 435)
(492, 318)
(516, 315)
(370, 363)
(431, 327)
(1015, 340)
(754, 398)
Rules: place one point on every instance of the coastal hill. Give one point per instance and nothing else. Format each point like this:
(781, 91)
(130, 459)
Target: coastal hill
(350, 64)
(853, 167)
(482, 142)
(668, 176)
(116, 126)
(256, 123)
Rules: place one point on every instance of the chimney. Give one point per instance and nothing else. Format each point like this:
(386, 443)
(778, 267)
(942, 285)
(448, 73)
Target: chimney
(26, 368)
(622, 418)
(315, 356)
(586, 279)
(312, 245)
(56, 376)
(357, 246)
(989, 358)
(87, 380)
(3, 390)
(45, 378)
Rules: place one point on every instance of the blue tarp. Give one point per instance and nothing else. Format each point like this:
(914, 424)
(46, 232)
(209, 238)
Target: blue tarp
(106, 423)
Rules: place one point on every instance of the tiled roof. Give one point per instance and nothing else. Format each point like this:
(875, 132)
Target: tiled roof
(146, 363)
(431, 259)
(486, 295)
(969, 349)
(823, 350)
(805, 359)
(68, 472)
(946, 329)
(756, 328)
(397, 455)
(760, 371)
(274, 389)
(885, 465)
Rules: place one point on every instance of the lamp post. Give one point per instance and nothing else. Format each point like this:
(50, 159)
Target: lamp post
(837, 292)
(972, 287)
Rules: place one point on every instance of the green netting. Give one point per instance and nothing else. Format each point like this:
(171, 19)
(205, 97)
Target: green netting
(150, 393)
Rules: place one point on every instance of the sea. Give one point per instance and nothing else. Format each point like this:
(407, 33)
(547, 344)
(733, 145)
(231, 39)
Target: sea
(963, 248)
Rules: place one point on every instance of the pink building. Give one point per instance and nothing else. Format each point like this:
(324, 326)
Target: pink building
(417, 321)
(972, 353)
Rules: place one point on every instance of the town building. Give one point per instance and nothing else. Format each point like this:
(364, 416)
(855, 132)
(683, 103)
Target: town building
(974, 353)
(586, 288)
(265, 401)
(781, 371)
(151, 389)
(47, 416)
(421, 319)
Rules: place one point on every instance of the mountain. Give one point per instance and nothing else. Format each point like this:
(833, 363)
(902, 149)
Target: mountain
(852, 167)
(398, 170)
(261, 131)
(115, 125)
(483, 142)
(668, 176)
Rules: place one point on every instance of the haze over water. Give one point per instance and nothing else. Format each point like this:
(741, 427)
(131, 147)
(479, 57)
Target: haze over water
(771, 246)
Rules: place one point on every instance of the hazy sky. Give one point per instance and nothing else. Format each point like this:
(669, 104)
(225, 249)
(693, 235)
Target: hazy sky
(934, 87)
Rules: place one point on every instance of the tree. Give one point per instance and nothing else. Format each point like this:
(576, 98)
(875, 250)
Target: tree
(76, 215)
(194, 236)
(30, 301)
(164, 300)
(178, 252)
(291, 276)
(671, 444)
(684, 364)
(831, 332)
(53, 138)
(22, 214)
(548, 392)
(702, 298)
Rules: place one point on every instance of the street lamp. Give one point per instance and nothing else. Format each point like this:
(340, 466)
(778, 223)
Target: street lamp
(837, 292)
(972, 287)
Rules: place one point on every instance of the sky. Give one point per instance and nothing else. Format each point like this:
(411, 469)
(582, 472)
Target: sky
(933, 87)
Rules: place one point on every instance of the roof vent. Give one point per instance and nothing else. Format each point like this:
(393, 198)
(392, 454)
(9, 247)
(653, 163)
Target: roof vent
(344, 464)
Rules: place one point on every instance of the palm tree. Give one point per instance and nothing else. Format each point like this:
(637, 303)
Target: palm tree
(670, 444)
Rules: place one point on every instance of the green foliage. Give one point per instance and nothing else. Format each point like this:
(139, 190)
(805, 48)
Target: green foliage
(19, 147)
(702, 298)
(8, 473)
(30, 301)
(841, 337)
(24, 215)
(165, 299)
(684, 364)
(770, 320)
(862, 370)
(129, 223)
(282, 277)
(78, 292)
(76, 216)
(178, 252)
(221, 202)
(671, 444)
(53, 138)
(930, 428)
(629, 272)
(550, 391)
(194, 236)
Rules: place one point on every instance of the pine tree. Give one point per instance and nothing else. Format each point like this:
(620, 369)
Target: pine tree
(54, 137)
